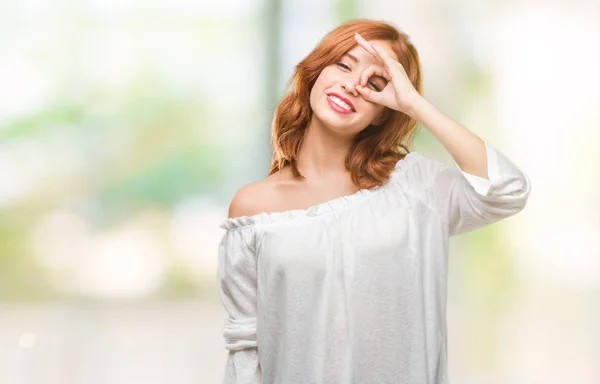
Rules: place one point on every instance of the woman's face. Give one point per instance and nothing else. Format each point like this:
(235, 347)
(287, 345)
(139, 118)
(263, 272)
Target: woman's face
(338, 81)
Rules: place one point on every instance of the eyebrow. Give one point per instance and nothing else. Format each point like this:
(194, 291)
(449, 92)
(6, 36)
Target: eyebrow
(356, 60)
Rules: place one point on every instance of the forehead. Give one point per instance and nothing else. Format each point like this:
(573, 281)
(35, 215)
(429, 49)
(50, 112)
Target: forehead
(366, 58)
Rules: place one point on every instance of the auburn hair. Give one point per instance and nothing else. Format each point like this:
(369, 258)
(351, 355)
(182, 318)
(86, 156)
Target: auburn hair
(377, 148)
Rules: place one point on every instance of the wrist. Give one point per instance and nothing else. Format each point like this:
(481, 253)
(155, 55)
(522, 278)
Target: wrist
(418, 107)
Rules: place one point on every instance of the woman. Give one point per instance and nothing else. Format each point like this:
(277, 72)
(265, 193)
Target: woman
(333, 268)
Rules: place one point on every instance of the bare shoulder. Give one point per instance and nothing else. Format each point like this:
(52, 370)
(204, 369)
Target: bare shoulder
(252, 198)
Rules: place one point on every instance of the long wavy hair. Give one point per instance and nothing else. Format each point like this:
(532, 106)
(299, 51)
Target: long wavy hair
(377, 148)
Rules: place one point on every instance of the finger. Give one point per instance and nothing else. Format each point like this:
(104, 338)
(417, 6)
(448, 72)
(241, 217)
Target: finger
(365, 44)
(391, 65)
(381, 55)
(374, 50)
(370, 95)
(373, 70)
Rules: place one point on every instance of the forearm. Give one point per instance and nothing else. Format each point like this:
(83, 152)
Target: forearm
(467, 149)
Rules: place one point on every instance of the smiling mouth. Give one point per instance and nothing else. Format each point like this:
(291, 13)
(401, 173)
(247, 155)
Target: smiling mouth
(339, 104)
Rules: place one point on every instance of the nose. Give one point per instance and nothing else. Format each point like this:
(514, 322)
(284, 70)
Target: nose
(350, 86)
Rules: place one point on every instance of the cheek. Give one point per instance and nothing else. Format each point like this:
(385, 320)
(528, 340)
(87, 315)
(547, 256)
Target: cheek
(317, 92)
(325, 79)
(317, 87)
(314, 95)
(369, 111)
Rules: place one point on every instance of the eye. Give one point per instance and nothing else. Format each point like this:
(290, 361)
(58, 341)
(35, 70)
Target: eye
(375, 86)
(343, 65)
(340, 64)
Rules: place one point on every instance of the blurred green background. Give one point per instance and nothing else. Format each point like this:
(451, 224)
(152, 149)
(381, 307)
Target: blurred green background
(126, 127)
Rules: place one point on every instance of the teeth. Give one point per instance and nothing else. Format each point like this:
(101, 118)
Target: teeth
(339, 102)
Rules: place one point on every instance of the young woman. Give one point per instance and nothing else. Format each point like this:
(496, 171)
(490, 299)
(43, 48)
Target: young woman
(333, 268)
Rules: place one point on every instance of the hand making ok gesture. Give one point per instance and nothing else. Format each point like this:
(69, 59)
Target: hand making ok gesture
(399, 94)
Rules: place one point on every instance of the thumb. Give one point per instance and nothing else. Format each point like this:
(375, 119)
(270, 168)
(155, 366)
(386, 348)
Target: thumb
(368, 94)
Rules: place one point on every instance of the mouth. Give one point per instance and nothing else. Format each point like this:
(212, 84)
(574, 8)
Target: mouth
(340, 103)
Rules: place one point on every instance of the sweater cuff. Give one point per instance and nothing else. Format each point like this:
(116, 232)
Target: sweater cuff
(479, 184)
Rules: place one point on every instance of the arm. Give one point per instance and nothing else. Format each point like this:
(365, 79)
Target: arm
(237, 289)
(467, 149)
(484, 187)
(466, 202)
(459, 195)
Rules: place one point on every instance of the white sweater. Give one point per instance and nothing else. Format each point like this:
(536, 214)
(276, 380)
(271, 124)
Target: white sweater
(353, 290)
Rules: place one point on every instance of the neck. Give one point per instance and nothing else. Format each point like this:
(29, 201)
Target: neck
(322, 154)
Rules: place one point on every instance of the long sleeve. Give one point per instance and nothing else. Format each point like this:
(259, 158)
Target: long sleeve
(467, 202)
(237, 284)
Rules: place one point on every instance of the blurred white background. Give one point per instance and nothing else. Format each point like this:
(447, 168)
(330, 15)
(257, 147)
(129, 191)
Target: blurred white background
(126, 127)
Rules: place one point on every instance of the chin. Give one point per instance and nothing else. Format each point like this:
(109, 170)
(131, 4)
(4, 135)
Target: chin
(341, 128)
